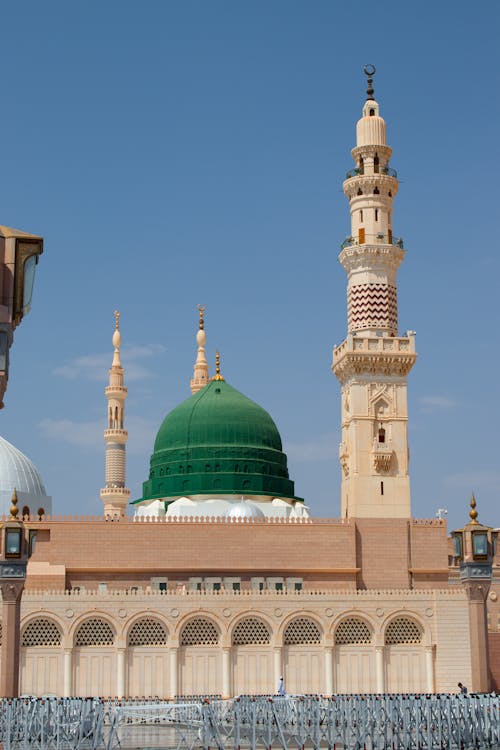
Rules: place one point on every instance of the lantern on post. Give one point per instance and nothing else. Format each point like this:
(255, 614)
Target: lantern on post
(13, 561)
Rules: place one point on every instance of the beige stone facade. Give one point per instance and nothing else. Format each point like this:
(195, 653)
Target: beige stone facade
(227, 642)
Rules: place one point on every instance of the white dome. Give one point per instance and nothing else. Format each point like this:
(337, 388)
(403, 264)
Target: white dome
(16, 470)
(244, 509)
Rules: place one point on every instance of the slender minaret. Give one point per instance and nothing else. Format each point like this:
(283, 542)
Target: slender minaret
(115, 495)
(373, 363)
(200, 371)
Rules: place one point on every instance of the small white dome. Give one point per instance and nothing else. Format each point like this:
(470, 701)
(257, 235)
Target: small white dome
(244, 509)
(16, 470)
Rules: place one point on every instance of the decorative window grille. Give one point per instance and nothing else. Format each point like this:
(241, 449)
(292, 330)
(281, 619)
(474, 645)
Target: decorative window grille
(251, 632)
(351, 631)
(302, 630)
(199, 632)
(402, 630)
(147, 632)
(41, 632)
(94, 632)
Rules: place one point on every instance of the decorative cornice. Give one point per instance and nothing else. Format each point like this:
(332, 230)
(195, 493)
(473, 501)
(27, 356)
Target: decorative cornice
(357, 256)
(384, 152)
(368, 182)
(373, 364)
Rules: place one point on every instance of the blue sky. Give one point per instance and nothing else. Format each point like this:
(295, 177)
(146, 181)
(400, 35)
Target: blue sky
(177, 153)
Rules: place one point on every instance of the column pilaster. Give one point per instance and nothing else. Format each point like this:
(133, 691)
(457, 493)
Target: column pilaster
(120, 672)
(68, 672)
(226, 672)
(174, 671)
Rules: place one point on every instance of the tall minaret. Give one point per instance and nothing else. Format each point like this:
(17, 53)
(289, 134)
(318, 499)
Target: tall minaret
(115, 495)
(200, 371)
(373, 363)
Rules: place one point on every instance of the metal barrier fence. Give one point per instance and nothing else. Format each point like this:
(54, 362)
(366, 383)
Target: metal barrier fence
(360, 722)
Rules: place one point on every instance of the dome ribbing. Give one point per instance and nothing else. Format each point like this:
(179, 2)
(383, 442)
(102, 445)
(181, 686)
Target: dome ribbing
(218, 441)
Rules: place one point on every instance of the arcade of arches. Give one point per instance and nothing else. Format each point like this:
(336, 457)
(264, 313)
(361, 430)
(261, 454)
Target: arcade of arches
(149, 658)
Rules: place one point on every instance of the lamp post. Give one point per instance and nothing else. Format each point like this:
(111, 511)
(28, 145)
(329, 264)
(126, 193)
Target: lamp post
(13, 560)
(473, 546)
(19, 253)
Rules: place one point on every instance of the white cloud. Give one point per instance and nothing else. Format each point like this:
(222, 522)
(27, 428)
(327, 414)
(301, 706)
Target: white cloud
(431, 403)
(142, 433)
(321, 448)
(84, 434)
(96, 366)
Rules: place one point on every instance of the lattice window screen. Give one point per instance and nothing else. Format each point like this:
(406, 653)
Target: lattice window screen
(402, 630)
(199, 632)
(352, 630)
(148, 632)
(302, 630)
(251, 631)
(41, 632)
(94, 632)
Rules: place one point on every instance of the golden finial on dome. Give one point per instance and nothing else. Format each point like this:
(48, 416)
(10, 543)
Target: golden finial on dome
(117, 319)
(201, 310)
(14, 510)
(217, 375)
(473, 514)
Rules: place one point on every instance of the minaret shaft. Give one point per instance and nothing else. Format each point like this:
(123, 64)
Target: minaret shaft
(115, 495)
(372, 364)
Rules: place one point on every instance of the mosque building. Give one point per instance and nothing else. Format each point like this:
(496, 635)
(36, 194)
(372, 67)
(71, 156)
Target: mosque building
(221, 580)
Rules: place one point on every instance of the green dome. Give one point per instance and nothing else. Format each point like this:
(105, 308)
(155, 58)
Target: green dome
(218, 441)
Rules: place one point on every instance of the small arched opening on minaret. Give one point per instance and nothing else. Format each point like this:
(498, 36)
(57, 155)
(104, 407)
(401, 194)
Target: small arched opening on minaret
(361, 165)
(360, 192)
(376, 191)
(372, 112)
(361, 214)
(376, 214)
(376, 161)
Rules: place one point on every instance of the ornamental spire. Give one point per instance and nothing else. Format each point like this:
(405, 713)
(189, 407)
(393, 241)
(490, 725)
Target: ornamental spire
(473, 514)
(217, 375)
(115, 495)
(369, 71)
(200, 371)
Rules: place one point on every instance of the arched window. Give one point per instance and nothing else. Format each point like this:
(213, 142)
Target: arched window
(376, 164)
(199, 632)
(41, 632)
(361, 214)
(94, 632)
(402, 630)
(147, 632)
(251, 632)
(381, 435)
(376, 191)
(301, 631)
(352, 630)
(372, 113)
(360, 192)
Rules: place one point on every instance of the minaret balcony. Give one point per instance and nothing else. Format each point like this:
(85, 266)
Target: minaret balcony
(370, 239)
(374, 355)
(116, 435)
(389, 171)
(382, 454)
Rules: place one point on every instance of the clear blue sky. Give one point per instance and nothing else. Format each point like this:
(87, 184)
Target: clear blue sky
(172, 153)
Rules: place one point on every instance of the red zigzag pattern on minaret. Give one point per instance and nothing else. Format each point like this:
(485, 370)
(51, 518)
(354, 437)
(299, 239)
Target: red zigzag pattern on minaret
(372, 306)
